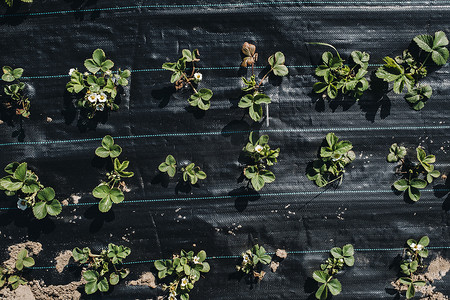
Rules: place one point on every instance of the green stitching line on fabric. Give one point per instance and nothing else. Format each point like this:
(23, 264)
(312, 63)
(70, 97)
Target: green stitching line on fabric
(304, 193)
(233, 132)
(269, 253)
(204, 68)
(271, 3)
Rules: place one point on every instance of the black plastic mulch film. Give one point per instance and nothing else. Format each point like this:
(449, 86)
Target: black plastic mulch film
(47, 38)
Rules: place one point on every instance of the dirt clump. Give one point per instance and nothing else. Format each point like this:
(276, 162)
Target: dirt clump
(33, 248)
(146, 278)
(62, 260)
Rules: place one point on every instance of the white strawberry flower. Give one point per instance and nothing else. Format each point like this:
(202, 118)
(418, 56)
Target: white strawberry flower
(184, 281)
(93, 97)
(196, 260)
(414, 246)
(102, 97)
(259, 148)
(419, 247)
(198, 76)
(172, 296)
(245, 258)
(71, 71)
(99, 107)
(22, 204)
(86, 73)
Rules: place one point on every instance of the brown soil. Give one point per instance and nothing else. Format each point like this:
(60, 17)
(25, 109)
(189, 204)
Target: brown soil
(62, 260)
(281, 253)
(56, 292)
(23, 292)
(33, 248)
(437, 269)
(274, 266)
(146, 278)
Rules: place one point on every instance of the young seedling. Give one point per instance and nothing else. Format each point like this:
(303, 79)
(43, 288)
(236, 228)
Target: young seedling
(11, 2)
(201, 98)
(185, 270)
(31, 193)
(337, 76)
(412, 264)
(254, 98)
(19, 102)
(190, 173)
(111, 191)
(340, 257)
(103, 269)
(99, 85)
(252, 262)
(333, 159)
(260, 154)
(413, 176)
(12, 276)
(408, 69)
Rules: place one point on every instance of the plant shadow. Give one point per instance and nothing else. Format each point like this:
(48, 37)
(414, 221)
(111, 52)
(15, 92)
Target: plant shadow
(242, 196)
(12, 16)
(163, 95)
(442, 190)
(26, 219)
(376, 99)
(161, 178)
(98, 218)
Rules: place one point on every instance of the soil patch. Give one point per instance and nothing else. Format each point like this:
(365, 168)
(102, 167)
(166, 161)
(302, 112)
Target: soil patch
(146, 278)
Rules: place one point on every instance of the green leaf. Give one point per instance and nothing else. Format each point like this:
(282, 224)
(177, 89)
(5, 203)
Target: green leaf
(53, 207)
(169, 66)
(321, 276)
(424, 241)
(28, 262)
(106, 65)
(336, 252)
(320, 87)
(98, 56)
(114, 278)
(107, 142)
(334, 286)
(425, 42)
(10, 184)
(267, 176)
(349, 261)
(91, 66)
(46, 194)
(105, 204)
(10, 168)
(103, 285)
(418, 183)
(262, 98)
(322, 292)
(159, 265)
(21, 172)
(256, 112)
(401, 185)
(348, 250)
(40, 210)
(280, 70)
(410, 292)
(17, 73)
(440, 56)
(90, 287)
(413, 193)
(90, 275)
(116, 195)
(201, 255)
(246, 101)
(257, 182)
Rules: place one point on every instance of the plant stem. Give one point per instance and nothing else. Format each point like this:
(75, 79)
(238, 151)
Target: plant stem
(187, 80)
(259, 84)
